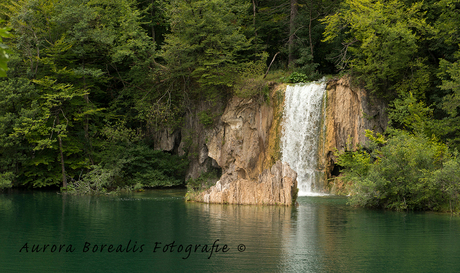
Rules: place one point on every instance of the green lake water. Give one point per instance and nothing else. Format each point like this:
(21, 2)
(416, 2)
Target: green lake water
(322, 234)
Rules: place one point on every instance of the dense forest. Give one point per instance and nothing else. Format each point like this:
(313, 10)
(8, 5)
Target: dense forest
(87, 82)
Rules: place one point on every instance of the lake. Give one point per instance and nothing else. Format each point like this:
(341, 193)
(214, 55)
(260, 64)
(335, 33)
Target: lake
(157, 231)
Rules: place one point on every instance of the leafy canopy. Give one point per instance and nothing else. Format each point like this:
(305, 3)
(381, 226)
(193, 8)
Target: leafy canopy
(382, 40)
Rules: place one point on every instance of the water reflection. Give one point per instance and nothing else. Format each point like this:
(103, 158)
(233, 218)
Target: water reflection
(261, 229)
(331, 237)
(322, 234)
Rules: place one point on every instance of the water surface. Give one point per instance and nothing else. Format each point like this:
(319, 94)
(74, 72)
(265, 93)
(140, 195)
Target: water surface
(322, 234)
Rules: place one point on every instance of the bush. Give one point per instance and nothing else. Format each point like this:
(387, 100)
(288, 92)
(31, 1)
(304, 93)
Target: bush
(206, 118)
(297, 77)
(204, 181)
(6, 180)
(132, 166)
(252, 87)
(407, 172)
(447, 181)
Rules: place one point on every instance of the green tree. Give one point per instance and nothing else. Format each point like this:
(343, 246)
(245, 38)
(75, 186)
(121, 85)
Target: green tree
(399, 174)
(448, 126)
(4, 51)
(81, 59)
(207, 43)
(15, 96)
(271, 25)
(382, 42)
(447, 180)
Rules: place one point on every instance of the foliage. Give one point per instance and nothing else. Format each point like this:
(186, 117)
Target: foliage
(410, 169)
(206, 118)
(451, 81)
(6, 180)
(382, 40)
(297, 77)
(400, 174)
(126, 161)
(94, 182)
(62, 85)
(252, 87)
(133, 166)
(251, 82)
(307, 66)
(203, 45)
(450, 76)
(446, 180)
(90, 81)
(204, 181)
(411, 115)
(4, 51)
(28, 139)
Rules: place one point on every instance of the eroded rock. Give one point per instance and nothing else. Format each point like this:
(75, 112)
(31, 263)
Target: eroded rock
(277, 186)
(350, 111)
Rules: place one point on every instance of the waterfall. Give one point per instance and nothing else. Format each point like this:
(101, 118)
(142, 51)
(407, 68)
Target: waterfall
(301, 133)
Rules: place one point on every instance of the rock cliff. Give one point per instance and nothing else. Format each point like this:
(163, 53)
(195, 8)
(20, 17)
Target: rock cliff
(243, 145)
(277, 186)
(350, 111)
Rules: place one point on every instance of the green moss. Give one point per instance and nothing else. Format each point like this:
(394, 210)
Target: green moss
(275, 151)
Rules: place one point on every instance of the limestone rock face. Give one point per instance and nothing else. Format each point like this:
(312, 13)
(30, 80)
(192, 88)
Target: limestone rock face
(192, 137)
(243, 142)
(166, 139)
(195, 137)
(239, 144)
(350, 111)
(277, 186)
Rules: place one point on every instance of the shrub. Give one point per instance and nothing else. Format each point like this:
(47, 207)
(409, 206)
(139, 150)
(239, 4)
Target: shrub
(205, 180)
(297, 77)
(132, 166)
(6, 180)
(404, 172)
(206, 118)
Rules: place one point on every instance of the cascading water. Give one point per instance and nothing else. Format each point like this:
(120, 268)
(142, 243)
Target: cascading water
(299, 142)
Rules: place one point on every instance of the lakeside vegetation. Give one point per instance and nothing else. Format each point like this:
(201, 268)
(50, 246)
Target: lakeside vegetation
(90, 81)
(407, 53)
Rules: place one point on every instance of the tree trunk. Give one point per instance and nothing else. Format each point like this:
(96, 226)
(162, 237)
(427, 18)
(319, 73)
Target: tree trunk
(309, 32)
(86, 97)
(268, 69)
(87, 104)
(152, 13)
(254, 10)
(64, 178)
(291, 32)
(254, 17)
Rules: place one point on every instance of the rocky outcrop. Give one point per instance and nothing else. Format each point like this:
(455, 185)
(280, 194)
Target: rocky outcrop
(350, 111)
(166, 139)
(241, 144)
(196, 135)
(277, 186)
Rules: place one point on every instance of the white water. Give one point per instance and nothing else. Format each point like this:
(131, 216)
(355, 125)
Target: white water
(301, 130)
